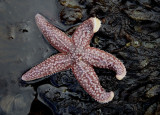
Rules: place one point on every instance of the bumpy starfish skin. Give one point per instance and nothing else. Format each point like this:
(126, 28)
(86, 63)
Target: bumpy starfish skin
(102, 59)
(76, 54)
(50, 66)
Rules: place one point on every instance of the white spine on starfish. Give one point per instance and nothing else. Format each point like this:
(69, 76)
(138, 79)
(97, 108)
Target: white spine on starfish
(97, 24)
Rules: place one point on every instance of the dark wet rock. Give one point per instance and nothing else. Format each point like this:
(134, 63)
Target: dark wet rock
(146, 3)
(70, 3)
(71, 30)
(151, 110)
(149, 45)
(135, 61)
(2, 113)
(134, 38)
(97, 8)
(53, 96)
(113, 25)
(148, 29)
(63, 78)
(98, 42)
(102, 8)
(154, 74)
(134, 43)
(144, 63)
(71, 16)
(52, 93)
(158, 110)
(154, 91)
(61, 101)
(38, 108)
(157, 1)
(140, 14)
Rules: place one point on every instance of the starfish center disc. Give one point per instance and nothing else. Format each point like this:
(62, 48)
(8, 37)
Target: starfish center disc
(77, 53)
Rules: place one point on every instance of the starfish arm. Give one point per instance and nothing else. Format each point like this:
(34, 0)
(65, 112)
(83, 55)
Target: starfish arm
(85, 32)
(50, 66)
(56, 37)
(102, 59)
(88, 79)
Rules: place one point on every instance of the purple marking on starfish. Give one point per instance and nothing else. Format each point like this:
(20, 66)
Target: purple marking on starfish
(76, 54)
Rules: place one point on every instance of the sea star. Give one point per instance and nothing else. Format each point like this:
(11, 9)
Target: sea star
(77, 55)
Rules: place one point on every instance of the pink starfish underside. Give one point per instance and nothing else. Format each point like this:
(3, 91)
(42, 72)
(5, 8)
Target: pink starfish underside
(76, 54)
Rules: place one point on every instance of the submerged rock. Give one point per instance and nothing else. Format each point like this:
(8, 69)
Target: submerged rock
(71, 16)
(70, 3)
(140, 14)
(151, 110)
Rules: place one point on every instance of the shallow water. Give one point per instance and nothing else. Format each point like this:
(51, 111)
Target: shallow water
(130, 35)
(21, 47)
